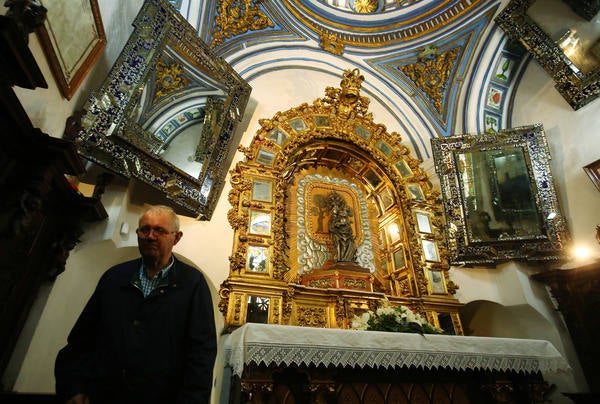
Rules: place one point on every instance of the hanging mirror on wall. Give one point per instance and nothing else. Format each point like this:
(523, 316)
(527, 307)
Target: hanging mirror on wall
(564, 38)
(167, 112)
(499, 197)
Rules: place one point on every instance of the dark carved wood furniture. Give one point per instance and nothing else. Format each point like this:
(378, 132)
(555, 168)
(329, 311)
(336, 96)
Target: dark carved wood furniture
(577, 291)
(41, 212)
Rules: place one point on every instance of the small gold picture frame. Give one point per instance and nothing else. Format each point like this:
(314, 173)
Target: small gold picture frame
(265, 157)
(260, 223)
(415, 192)
(262, 190)
(403, 168)
(257, 259)
(430, 251)
(423, 222)
(399, 259)
(436, 281)
(394, 233)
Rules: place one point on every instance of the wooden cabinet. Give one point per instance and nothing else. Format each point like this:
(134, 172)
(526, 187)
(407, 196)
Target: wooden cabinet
(41, 213)
(577, 291)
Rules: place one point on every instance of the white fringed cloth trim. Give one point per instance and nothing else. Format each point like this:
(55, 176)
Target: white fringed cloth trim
(280, 345)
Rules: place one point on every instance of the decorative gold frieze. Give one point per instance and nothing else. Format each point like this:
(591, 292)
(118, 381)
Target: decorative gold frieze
(312, 316)
(322, 283)
(236, 17)
(431, 73)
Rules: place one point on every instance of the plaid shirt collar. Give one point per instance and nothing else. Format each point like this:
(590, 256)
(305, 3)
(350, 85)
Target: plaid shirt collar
(145, 284)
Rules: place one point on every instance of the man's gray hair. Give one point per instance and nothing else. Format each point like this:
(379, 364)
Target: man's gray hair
(164, 208)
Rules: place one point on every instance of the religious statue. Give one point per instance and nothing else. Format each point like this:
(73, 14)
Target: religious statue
(340, 228)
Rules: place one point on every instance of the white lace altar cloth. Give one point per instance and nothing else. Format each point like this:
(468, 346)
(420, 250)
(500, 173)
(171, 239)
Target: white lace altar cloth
(281, 345)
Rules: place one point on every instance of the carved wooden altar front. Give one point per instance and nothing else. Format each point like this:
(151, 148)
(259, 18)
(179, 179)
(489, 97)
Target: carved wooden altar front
(284, 364)
(292, 263)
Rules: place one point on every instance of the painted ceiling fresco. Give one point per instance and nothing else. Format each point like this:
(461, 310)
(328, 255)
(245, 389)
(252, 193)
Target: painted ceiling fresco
(438, 67)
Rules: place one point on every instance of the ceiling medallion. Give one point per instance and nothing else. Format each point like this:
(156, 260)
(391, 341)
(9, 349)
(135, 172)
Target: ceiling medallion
(365, 6)
(431, 73)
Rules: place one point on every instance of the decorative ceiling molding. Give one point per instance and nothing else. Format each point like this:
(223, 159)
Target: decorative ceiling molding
(404, 26)
(439, 102)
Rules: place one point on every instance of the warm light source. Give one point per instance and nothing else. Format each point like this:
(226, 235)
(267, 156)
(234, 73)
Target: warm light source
(581, 252)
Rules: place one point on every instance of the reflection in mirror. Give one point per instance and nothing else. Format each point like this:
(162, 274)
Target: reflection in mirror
(257, 259)
(499, 197)
(258, 310)
(167, 112)
(577, 38)
(565, 43)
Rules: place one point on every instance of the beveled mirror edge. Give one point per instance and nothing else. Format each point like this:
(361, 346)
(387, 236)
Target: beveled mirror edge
(97, 138)
(577, 89)
(551, 248)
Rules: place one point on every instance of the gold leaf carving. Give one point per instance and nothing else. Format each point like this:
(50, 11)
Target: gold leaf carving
(331, 43)
(312, 317)
(236, 17)
(431, 74)
(355, 283)
(365, 6)
(169, 78)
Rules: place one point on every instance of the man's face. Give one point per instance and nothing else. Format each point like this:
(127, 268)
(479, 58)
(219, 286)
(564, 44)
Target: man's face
(157, 236)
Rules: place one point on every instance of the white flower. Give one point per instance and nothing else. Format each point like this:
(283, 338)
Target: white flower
(385, 310)
(360, 323)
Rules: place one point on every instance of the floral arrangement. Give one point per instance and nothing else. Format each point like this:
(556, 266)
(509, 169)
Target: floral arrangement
(394, 319)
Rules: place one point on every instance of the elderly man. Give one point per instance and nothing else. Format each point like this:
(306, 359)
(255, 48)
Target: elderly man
(147, 334)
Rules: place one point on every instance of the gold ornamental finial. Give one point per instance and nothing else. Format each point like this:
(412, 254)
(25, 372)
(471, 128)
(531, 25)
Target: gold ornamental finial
(351, 83)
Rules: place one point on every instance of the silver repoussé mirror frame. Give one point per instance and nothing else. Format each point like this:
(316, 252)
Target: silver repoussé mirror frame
(577, 88)
(105, 134)
(548, 244)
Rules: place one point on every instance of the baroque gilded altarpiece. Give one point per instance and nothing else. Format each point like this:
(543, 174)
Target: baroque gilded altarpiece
(282, 269)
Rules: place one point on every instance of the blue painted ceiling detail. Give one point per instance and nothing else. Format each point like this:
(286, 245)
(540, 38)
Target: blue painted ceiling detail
(466, 41)
(384, 41)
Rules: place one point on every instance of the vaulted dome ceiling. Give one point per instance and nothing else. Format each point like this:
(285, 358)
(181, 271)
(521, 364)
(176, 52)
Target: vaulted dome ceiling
(429, 65)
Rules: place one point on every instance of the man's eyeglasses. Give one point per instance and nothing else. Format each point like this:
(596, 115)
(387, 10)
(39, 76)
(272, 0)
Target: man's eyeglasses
(158, 231)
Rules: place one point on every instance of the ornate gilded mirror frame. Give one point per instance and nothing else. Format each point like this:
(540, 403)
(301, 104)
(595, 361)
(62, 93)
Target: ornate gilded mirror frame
(167, 66)
(305, 168)
(578, 87)
(499, 197)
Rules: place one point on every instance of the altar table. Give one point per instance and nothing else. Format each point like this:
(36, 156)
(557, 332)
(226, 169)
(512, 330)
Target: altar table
(322, 364)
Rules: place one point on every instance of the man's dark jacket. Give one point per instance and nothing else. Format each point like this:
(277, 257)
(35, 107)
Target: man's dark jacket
(127, 348)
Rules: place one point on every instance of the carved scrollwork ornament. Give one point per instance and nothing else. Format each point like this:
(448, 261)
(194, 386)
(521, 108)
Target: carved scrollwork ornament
(282, 161)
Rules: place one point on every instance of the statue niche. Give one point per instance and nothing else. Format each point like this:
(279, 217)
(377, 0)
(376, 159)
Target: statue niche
(339, 215)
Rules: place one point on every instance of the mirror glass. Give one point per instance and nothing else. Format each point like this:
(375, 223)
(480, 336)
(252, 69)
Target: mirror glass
(575, 36)
(499, 197)
(564, 38)
(167, 113)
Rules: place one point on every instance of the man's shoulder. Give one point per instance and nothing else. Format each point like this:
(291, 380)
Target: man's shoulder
(123, 270)
(187, 270)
